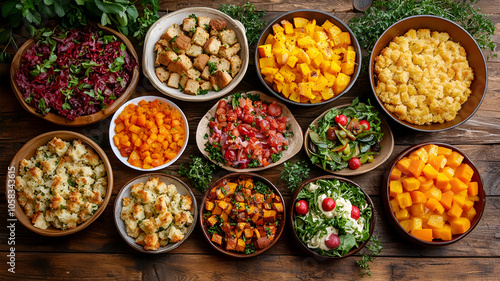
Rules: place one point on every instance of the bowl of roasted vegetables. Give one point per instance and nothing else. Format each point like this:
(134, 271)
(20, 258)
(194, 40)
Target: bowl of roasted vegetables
(349, 139)
(307, 57)
(331, 217)
(248, 132)
(433, 194)
(74, 77)
(242, 215)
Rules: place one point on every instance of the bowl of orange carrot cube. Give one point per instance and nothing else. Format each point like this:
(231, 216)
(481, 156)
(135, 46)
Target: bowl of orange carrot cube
(433, 194)
(148, 133)
(307, 57)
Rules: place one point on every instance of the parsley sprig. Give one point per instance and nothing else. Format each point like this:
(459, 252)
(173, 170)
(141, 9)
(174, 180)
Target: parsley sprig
(294, 173)
(373, 248)
(199, 171)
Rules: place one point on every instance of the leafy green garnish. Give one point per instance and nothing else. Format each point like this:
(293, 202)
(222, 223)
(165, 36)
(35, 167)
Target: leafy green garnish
(374, 248)
(294, 173)
(249, 17)
(261, 187)
(199, 171)
(212, 67)
(384, 13)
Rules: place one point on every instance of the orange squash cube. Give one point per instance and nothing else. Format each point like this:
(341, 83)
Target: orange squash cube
(447, 199)
(403, 165)
(395, 174)
(435, 193)
(395, 205)
(444, 151)
(434, 206)
(454, 159)
(464, 173)
(467, 206)
(473, 188)
(404, 200)
(442, 181)
(402, 215)
(455, 211)
(471, 214)
(405, 224)
(459, 225)
(418, 197)
(431, 149)
(416, 166)
(430, 172)
(415, 223)
(423, 234)
(425, 186)
(417, 209)
(457, 185)
(448, 171)
(438, 161)
(435, 221)
(443, 233)
(459, 199)
(411, 183)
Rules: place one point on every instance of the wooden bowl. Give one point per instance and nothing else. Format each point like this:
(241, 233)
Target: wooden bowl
(291, 218)
(479, 206)
(161, 25)
(294, 142)
(320, 17)
(26, 152)
(387, 144)
(474, 56)
(136, 101)
(279, 231)
(85, 119)
(182, 189)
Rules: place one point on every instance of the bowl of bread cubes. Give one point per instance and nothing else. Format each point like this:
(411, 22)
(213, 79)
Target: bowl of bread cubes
(62, 182)
(195, 54)
(428, 73)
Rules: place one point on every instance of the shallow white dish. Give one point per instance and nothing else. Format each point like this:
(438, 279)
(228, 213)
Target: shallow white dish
(136, 101)
(182, 189)
(161, 25)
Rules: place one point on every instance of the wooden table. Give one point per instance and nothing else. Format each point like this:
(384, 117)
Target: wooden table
(98, 252)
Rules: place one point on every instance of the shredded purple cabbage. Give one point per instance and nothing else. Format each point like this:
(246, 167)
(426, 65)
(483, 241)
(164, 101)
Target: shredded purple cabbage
(75, 72)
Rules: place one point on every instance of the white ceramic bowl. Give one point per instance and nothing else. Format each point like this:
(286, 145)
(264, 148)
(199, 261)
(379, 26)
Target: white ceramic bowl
(182, 189)
(136, 101)
(161, 25)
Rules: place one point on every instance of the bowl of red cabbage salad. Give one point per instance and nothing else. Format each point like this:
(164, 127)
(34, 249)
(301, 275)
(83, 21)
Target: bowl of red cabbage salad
(332, 217)
(74, 72)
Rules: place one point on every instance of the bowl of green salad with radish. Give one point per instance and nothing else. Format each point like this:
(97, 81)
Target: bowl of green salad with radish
(332, 217)
(349, 139)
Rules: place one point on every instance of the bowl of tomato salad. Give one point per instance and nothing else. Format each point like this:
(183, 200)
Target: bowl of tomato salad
(248, 132)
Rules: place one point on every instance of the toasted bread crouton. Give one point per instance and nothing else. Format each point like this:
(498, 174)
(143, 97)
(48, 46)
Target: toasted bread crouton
(194, 51)
(188, 24)
(224, 65)
(193, 73)
(204, 22)
(192, 87)
(235, 65)
(185, 62)
(183, 42)
(162, 45)
(221, 79)
(171, 32)
(200, 36)
(212, 46)
(228, 37)
(205, 74)
(182, 82)
(227, 53)
(165, 58)
(162, 73)
(200, 62)
(206, 85)
(175, 67)
(173, 80)
(217, 24)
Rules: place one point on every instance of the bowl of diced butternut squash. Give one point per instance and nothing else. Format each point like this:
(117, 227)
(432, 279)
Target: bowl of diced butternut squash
(148, 133)
(434, 194)
(242, 215)
(307, 57)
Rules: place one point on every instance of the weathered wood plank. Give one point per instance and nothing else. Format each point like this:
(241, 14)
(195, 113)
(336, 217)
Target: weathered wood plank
(65, 266)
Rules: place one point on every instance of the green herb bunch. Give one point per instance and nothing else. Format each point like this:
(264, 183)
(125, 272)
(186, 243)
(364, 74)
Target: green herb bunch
(249, 17)
(373, 248)
(199, 171)
(383, 14)
(121, 14)
(294, 173)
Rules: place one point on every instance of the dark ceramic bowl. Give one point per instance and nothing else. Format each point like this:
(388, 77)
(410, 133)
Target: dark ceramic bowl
(234, 176)
(479, 205)
(474, 56)
(291, 218)
(320, 17)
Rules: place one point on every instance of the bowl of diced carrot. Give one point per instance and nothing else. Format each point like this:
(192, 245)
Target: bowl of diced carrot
(307, 57)
(433, 194)
(148, 133)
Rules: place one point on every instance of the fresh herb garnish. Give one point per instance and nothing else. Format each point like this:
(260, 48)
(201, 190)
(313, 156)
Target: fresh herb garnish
(249, 17)
(261, 187)
(374, 247)
(212, 67)
(294, 173)
(199, 171)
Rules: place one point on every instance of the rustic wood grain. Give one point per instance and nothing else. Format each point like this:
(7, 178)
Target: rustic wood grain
(98, 252)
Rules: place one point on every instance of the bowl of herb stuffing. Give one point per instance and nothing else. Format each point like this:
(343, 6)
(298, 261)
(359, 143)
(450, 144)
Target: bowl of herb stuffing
(349, 139)
(331, 217)
(74, 77)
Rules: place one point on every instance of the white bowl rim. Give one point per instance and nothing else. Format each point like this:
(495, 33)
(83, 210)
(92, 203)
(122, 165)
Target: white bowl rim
(148, 61)
(136, 101)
